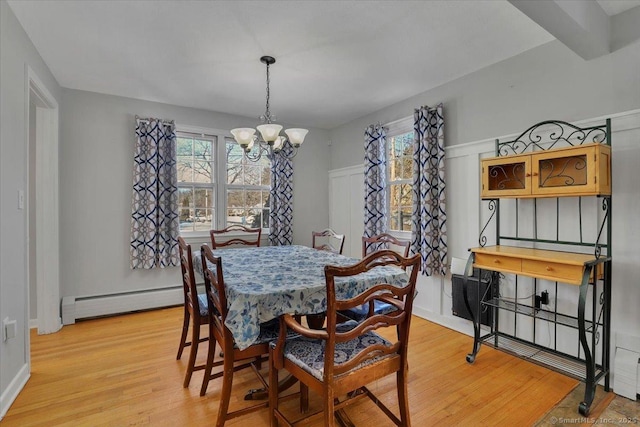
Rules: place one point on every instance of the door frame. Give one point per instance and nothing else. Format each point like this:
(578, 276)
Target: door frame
(47, 223)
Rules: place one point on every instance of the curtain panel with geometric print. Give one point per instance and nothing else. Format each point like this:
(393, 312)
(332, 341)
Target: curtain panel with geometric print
(154, 215)
(375, 182)
(429, 217)
(281, 198)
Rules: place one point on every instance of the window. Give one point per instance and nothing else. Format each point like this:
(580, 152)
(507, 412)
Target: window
(400, 175)
(248, 186)
(217, 186)
(196, 181)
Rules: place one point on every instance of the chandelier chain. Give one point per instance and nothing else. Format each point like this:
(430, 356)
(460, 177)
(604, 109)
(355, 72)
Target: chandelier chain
(267, 114)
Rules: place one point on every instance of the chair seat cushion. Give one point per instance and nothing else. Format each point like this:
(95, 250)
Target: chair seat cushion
(204, 305)
(360, 312)
(308, 353)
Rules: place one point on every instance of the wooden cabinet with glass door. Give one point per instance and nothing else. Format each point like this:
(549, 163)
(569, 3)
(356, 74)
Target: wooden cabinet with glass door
(508, 176)
(583, 170)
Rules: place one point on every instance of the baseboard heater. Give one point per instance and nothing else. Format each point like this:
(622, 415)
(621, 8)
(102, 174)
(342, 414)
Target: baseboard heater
(74, 308)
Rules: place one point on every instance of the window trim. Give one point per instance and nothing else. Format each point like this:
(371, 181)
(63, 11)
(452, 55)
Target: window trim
(220, 184)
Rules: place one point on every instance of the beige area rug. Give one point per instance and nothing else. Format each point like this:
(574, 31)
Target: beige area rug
(606, 409)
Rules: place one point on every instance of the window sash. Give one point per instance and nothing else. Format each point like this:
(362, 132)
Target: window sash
(199, 216)
(398, 128)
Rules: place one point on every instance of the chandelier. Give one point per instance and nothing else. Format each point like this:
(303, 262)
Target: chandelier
(269, 142)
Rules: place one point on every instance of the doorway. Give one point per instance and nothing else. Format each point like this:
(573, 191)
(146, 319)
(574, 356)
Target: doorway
(42, 209)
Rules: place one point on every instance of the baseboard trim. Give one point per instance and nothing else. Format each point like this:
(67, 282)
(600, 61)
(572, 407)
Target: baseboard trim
(13, 389)
(451, 322)
(104, 305)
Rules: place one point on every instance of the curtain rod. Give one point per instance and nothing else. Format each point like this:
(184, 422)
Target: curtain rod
(164, 122)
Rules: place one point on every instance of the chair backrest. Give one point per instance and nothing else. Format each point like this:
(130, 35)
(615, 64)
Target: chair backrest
(247, 236)
(384, 241)
(400, 297)
(216, 293)
(327, 240)
(188, 279)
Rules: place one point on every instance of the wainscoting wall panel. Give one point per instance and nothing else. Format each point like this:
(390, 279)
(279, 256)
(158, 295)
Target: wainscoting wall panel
(346, 207)
(466, 215)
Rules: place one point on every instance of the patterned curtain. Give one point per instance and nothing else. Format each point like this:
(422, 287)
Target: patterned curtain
(154, 219)
(281, 199)
(375, 196)
(429, 218)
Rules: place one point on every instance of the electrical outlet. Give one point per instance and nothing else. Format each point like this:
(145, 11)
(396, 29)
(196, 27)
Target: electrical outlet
(544, 298)
(10, 327)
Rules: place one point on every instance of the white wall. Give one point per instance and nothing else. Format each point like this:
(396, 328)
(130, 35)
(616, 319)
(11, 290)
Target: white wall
(96, 161)
(16, 53)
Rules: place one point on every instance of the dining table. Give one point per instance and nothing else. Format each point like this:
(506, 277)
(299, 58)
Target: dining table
(265, 282)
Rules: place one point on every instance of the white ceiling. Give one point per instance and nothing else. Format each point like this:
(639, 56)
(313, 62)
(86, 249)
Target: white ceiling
(336, 60)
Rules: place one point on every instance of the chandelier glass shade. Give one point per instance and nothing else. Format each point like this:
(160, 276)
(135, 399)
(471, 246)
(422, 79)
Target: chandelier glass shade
(268, 141)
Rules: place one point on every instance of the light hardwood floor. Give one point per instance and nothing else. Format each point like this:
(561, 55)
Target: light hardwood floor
(121, 371)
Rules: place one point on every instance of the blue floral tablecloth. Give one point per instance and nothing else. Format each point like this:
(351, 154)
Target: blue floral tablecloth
(264, 282)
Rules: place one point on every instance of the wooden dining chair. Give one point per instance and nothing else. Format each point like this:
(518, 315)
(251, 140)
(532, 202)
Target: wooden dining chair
(343, 358)
(327, 240)
(371, 244)
(242, 236)
(250, 357)
(196, 311)
(385, 241)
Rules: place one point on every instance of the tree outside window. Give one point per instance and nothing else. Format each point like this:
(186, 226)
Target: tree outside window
(196, 183)
(248, 185)
(400, 174)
